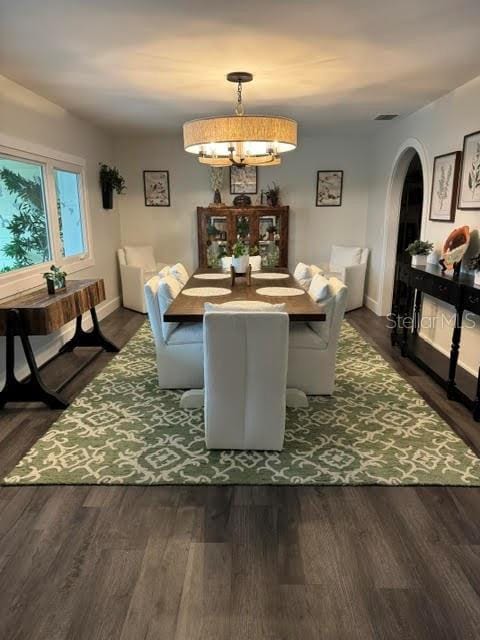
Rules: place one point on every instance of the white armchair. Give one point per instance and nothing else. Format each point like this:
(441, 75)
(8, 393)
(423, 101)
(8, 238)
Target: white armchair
(313, 346)
(349, 264)
(179, 346)
(245, 379)
(137, 266)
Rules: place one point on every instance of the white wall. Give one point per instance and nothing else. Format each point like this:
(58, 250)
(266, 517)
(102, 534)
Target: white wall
(437, 128)
(26, 115)
(313, 230)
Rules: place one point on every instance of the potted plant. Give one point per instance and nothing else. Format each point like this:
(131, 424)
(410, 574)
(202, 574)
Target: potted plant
(475, 265)
(273, 194)
(419, 250)
(240, 258)
(110, 181)
(212, 231)
(56, 279)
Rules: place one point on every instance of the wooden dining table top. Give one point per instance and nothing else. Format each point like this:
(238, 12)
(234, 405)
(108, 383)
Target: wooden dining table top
(191, 308)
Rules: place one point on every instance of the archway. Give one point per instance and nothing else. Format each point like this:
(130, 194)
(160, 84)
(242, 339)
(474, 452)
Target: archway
(411, 150)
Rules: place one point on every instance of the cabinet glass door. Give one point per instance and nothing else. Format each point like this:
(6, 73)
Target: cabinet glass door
(269, 235)
(217, 243)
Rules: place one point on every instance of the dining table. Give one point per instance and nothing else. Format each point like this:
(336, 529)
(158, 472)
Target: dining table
(216, 286)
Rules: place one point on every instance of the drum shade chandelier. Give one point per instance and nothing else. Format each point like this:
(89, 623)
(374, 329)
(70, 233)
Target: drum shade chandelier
(240, 139)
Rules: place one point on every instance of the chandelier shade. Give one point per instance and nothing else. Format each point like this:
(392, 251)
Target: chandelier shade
(240, 139)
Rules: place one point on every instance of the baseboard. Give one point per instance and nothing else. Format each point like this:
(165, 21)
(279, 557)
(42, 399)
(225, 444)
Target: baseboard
(373, 305)
(446, 352)
(56, 340)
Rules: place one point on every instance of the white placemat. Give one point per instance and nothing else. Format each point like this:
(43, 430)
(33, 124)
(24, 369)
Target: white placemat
(270, 276)
(205, 292)
(211, 276)
(277, 292)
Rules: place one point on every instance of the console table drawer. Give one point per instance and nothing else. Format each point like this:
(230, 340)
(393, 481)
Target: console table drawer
(421, 281)
(471, 300)
(446, 291)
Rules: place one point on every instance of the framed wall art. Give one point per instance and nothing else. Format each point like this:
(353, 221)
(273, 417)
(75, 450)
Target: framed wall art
(156, 185)
(469, 191)
(329, 188)
(243, 179)
(443, 200)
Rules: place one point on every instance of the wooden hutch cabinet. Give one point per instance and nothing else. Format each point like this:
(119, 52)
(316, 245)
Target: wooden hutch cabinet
(263, 229)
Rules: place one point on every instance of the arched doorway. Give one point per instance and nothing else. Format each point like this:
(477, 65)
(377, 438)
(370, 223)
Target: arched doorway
(409, 227)
(411, 154)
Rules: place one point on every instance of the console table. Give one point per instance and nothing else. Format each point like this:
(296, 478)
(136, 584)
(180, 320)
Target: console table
(38, 313)
(463, 295)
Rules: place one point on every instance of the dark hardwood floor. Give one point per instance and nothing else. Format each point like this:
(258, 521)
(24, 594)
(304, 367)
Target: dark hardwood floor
(236, 562)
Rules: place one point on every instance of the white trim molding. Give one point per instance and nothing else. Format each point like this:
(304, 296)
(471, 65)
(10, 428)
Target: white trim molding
(373, 305)
(392, 214)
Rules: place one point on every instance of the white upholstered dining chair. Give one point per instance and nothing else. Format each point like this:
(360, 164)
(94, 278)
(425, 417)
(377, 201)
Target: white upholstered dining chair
(137, 266)
(313, 345)
(245, 379)
(350, 266)
(178, 346)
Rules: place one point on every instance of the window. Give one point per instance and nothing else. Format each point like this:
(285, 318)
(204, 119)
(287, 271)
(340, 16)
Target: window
(67, 187)
(24, 238)
(43, 218)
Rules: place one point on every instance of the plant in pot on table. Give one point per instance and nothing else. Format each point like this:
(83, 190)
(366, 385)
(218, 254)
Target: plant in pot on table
(419, 250)
(110, 181)
(273, 195)
(240, 257)
(475, 265)
(56, 279)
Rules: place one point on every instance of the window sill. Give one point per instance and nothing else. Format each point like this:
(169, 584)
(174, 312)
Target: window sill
(24, 280)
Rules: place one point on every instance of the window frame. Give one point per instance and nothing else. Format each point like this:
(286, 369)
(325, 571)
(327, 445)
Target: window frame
(25, 278)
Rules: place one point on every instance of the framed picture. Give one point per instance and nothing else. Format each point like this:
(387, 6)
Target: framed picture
(156, 186)
(469, 191)
(443, 201)
(264, 224)
(243, 179)
(329, 188)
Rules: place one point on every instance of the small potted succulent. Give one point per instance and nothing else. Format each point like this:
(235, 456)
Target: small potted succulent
(419, 250)
(475, 265)
(110, 181)
(273, 195)
(56, 279)
(240, 258)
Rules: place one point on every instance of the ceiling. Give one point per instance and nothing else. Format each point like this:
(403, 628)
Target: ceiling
(148, 65)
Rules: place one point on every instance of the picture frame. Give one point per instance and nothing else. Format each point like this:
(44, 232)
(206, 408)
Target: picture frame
(329, 188)
(156, 188)
(469, 188)
(243, 179)
(264, 223)
(444, 194)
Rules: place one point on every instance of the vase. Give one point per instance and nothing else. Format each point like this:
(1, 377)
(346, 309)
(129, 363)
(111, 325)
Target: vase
(240, 264)
(52, 289)
(217, 198)
(107, 196)
(419, 261)
(476, 278)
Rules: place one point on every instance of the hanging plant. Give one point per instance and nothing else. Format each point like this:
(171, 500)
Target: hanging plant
(110, 181)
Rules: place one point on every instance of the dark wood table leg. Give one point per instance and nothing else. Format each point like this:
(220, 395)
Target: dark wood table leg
(93, 338)
(33, 389)
(457, 333)
(476, 404)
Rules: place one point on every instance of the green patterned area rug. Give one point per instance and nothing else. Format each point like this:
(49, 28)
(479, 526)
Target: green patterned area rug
(376, 429)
